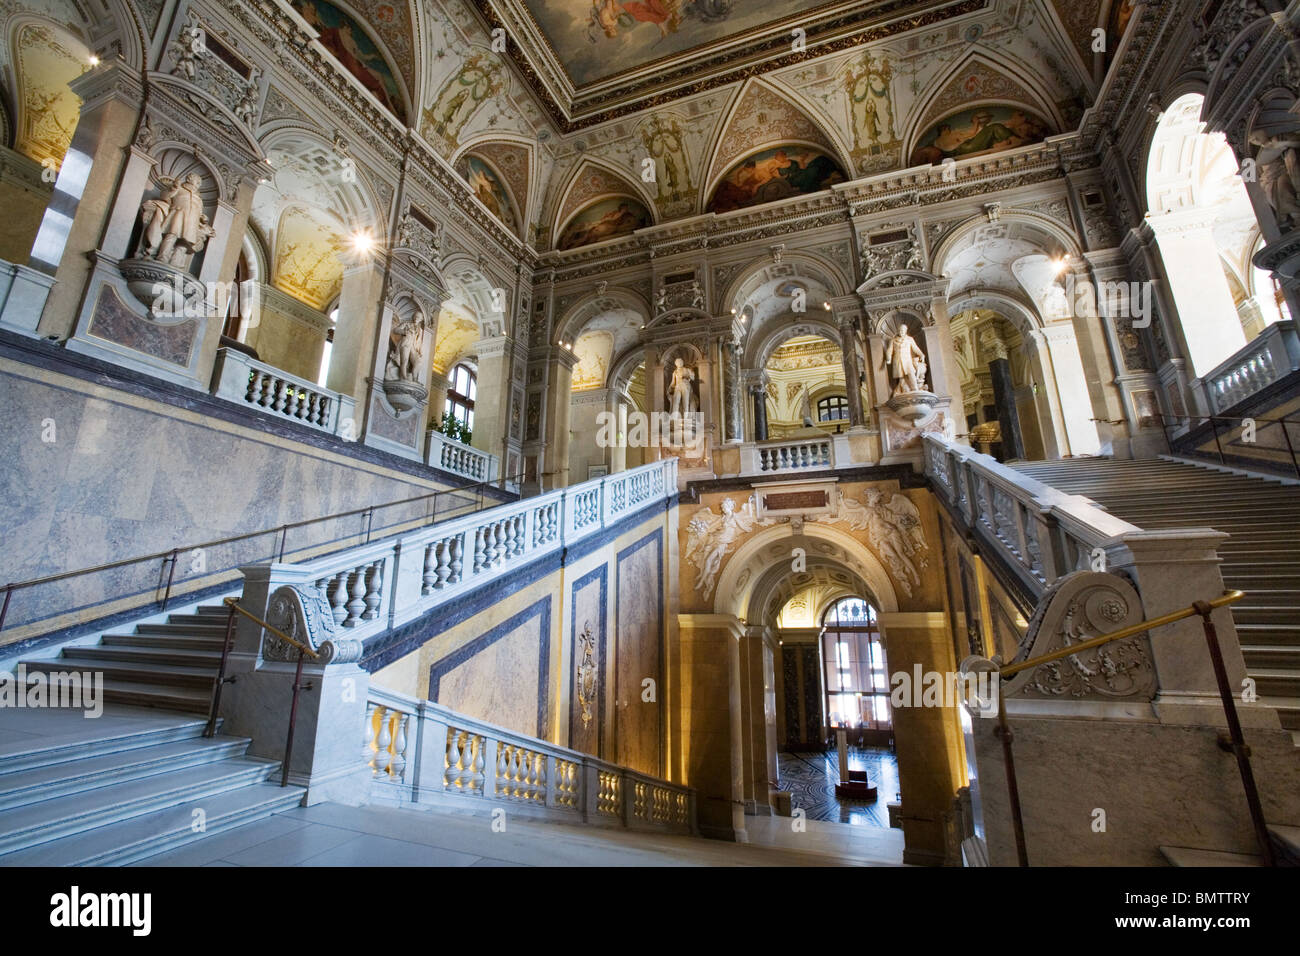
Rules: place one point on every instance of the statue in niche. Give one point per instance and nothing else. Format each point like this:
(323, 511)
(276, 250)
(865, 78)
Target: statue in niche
(1277, 134)
(175, 226)
(906, 363)
(407, 349)
(681, 397)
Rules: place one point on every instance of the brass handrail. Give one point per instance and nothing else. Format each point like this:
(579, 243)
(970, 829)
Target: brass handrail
(1237, 742)
(234, 606)
(1229, 597)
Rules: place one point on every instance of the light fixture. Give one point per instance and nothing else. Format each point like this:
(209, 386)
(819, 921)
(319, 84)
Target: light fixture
(94, 60)
(733, 311)
(363, 241)
(1059, 264)
(826, 306)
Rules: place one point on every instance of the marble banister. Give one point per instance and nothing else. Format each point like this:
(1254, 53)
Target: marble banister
(419, 752)
(241, 379)
(1040, 532)
(382, 585)
(793, 455)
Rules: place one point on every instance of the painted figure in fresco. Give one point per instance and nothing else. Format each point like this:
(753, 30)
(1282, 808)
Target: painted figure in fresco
(608, 16)
(477, 80)
(664, 142)
(617, 222)
(985, 134)
(783, 173)
(351, 48)
(901, 358)
(868, 86)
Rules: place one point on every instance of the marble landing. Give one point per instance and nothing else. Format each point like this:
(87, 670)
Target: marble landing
(334, 835)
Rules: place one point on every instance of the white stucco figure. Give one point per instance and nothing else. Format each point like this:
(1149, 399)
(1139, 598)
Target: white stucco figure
(901, 358)
(711, 536)
(681, 398)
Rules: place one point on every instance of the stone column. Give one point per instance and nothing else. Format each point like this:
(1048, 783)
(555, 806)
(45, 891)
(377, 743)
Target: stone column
(1046, 402)
(554, 472)
(357, 331)
(852, 373)
(492, 406)
(1072, 389)
(735, 414)
(712, 733)
(758, 392)
(1207, 315)
(758, 730)
(438, 386)
(931, 760)
(1004, 397)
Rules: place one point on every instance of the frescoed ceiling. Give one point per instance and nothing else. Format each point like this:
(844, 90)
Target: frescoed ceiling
(593, 59)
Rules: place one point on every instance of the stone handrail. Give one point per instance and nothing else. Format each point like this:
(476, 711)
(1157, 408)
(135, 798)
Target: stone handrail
(241, 379)
(1270, 356)
(420, 752)
(387, 583)
(460, 459)
(1042, 532)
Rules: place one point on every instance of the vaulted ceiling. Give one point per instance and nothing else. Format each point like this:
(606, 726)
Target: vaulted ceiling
(591, 60)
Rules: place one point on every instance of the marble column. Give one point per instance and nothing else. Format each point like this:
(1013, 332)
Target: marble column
(1004, 396)
(357, 330)
(554, 471)
(734, 413)
(852, 372)
(759, 396)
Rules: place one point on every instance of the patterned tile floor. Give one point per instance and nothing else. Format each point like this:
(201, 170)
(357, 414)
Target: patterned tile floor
(811, 779)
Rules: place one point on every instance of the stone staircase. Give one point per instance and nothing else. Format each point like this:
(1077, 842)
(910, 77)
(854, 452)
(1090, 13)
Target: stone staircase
(140, 779)
(1262, 556)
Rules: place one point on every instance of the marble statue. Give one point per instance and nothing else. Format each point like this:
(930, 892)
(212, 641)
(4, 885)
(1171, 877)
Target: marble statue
(805, 406)
(1277, 134)
(711, 536)
(681, 399)
(697, 295)
(405, 352)
(188, 45)
(175, 226)
(903, 358)
(661, 300)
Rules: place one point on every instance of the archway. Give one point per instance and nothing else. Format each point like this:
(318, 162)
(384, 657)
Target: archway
(1206, 231)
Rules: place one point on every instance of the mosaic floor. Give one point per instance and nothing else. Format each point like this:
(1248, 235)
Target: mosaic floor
(811, 779)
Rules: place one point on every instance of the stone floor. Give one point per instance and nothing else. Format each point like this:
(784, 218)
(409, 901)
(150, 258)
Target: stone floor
(811, 779)
(333, 835)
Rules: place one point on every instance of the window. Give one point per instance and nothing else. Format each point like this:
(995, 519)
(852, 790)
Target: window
(834, 408)
(460, 396)
(324, 372)
(857, 684)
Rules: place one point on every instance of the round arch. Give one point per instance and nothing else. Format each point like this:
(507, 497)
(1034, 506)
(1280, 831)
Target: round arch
(735, 590)
(770, 339)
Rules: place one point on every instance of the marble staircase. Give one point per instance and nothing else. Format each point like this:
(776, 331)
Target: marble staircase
(127, 785)
(1261, 557)
(1286, 852)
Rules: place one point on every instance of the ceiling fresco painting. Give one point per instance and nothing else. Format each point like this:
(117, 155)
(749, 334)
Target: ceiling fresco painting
(605, 219)
(773, 174)
(352, 46)
(978, 131)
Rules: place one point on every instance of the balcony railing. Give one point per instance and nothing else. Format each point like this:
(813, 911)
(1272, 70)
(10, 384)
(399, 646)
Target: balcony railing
(419, 752)
(1272, 355)
(794, 455)
(242, 379)
(460, 459)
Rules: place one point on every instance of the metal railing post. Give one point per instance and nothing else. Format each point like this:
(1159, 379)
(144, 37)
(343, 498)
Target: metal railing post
(1239, 748)
(298, 685)
(171, 573)
(215, 707)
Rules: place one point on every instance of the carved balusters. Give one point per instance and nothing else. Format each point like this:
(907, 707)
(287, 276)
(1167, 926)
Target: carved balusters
(430, 578)
(356, 606)
(383, 741)
(374, 574)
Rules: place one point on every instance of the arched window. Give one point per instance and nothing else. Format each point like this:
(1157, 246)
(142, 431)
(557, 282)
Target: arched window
(460, 396)
(853, 661)
(833, 408)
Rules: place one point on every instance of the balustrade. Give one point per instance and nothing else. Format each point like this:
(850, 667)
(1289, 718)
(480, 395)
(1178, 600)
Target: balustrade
(240, 378)
(1271, 355)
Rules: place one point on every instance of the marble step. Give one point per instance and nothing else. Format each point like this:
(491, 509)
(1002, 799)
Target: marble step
(127, 841)
(1272, 655)
(1288, 711)
(114, 732)
(1194, 856)
(1246, 613)
(206, 620)
(1275, 681)
(187, 657)
(201, 629)
(23, 787)
(173, 675)
(1251, 633)
(188, 700)
(28, 826)
(160, 640)
(1286, 844)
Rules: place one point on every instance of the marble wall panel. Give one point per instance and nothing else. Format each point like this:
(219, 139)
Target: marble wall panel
(639, 653)
(502, 676)
(588, 603)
